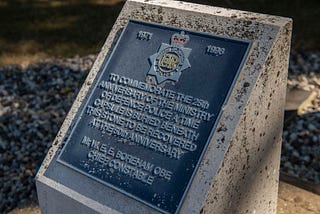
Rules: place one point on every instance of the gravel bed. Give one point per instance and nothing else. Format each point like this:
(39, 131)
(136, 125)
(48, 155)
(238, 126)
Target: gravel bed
(33, 104)
(300, 156)
(35, 100)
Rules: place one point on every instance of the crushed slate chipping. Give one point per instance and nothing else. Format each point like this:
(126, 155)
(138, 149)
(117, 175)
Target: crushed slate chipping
(33, 104)
(35, 100)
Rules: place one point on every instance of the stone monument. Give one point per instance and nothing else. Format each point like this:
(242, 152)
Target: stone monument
(182, 112)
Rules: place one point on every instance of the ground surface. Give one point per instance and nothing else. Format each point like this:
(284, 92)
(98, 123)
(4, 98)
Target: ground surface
(292, 200)
(37, 29)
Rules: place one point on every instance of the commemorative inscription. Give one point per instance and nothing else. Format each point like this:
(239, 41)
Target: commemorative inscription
(146, 123)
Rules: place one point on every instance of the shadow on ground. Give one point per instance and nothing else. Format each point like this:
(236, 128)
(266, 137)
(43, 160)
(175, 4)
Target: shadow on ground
(34, 29)
(37, 29)
(305, 15)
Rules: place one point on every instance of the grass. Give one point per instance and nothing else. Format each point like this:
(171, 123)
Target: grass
(36, 29)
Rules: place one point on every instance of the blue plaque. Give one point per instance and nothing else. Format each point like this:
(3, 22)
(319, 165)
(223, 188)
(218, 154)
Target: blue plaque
(151, 111)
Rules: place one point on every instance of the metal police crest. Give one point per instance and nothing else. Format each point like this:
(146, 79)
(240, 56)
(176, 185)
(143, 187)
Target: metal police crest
(170, 60)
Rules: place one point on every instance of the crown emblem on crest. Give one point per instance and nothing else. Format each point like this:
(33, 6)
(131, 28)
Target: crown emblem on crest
(179, 39)
(170, 60)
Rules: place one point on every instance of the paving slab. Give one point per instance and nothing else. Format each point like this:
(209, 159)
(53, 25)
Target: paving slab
(294, 200)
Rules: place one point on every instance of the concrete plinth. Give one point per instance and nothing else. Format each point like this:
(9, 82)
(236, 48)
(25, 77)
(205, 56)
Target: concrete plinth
(240, 167)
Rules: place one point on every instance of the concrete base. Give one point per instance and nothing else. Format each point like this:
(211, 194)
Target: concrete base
(291, 199)
(240, 169)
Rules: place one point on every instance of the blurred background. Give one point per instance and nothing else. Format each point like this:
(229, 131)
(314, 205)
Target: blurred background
(37, 29)
(47, 48)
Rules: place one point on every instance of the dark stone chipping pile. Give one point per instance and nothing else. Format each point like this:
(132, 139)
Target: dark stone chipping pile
(300, 155)
(33, 104)
(301, 148)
